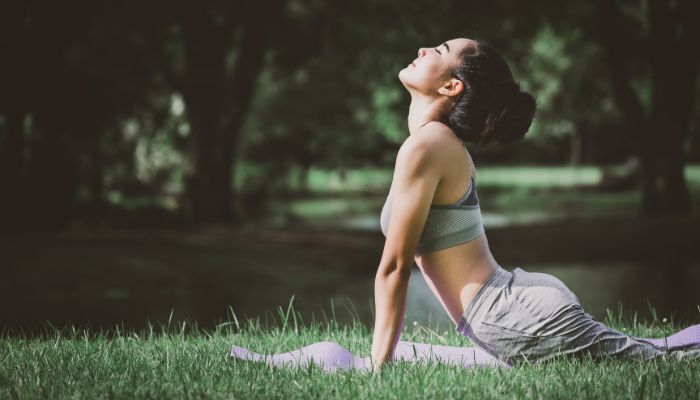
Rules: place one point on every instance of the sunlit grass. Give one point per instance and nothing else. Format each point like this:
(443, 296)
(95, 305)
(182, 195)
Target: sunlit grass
(508, 195)
(511, 194)
(537, 176)
(529, 176)
(180, 361)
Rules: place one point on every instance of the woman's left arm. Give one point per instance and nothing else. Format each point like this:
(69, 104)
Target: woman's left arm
(416, 176)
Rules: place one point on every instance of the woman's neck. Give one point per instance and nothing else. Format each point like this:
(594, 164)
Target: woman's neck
(422, 110)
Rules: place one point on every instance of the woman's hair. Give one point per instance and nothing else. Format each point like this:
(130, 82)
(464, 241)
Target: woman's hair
(491, 106)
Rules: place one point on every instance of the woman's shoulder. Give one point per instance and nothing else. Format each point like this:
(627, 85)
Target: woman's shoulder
(435, 130)
(434, 135)
(431, 147)
(433, 138)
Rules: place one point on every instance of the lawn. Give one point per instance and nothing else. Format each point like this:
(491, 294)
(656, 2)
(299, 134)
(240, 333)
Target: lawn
(509, 195)
(132, 278)
(182, 361)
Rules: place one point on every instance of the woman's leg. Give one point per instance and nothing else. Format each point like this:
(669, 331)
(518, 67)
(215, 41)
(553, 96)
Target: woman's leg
(593, 338)
(523, 316)
(534, 317)
(327, 355)
(586, 336)
(331, 356)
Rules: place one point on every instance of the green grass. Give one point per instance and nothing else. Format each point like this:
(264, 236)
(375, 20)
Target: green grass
(187, 362)
(530, 176)
(508, 195)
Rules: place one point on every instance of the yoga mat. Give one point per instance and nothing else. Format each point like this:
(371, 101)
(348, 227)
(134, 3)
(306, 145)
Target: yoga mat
(332, 357)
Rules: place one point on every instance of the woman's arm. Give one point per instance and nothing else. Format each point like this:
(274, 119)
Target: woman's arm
(390, 304)
(416, 176)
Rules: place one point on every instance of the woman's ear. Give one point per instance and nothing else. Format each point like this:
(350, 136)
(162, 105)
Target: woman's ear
(451, 88)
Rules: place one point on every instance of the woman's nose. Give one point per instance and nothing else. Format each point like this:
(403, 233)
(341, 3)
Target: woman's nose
(421, 51)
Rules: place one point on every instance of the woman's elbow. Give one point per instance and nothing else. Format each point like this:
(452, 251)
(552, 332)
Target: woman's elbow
(401, 269)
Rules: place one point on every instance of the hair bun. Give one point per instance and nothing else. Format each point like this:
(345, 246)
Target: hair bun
(505, 91)
(515, 117)
(491, 106)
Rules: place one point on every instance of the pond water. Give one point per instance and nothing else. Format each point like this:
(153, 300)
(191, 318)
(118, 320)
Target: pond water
(667, 291)
(132, 279)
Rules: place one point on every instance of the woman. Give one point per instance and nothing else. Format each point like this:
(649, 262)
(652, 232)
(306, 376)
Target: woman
(462, 90)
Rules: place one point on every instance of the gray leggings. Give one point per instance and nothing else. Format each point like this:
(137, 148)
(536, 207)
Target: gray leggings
(532, 317)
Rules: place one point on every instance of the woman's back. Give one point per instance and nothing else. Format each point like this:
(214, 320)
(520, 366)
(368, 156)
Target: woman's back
(453, 253)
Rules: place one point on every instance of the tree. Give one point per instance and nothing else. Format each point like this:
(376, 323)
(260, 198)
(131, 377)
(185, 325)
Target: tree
(70, 71)
(222, 49)
(670, 51)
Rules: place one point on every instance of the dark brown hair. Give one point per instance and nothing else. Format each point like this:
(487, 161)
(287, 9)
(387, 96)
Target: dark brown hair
(491, 106)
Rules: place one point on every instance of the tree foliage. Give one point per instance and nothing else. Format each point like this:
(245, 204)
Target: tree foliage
(199, 107)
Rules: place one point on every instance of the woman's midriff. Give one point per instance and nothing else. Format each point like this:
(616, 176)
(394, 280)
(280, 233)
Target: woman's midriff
(456, 274)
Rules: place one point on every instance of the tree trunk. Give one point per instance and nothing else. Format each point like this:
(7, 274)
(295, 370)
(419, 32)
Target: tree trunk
(676, 198)
(576, 149)
(208, 178)
(650, 184)
(217, 99)
(11, 168)
(95, 180)
(660, 134)
(664, 190)
(673, 64)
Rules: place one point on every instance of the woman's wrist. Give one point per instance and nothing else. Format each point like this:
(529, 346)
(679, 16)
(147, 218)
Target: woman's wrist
(377, 365)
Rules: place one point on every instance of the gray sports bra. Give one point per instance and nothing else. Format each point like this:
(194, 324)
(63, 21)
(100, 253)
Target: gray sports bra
(447, 225)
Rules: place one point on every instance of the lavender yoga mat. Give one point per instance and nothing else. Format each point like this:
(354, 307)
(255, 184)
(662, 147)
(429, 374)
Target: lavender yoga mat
(332, 357)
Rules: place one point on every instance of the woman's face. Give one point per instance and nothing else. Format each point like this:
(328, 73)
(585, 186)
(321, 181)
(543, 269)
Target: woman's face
(429, 72)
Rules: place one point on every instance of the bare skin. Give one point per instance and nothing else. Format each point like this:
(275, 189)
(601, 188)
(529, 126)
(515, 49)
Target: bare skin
(431, 168)
(456, 273)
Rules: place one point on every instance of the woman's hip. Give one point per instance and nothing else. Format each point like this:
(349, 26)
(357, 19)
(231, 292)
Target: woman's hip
(521, 312)
(520, 300)
(530, 316)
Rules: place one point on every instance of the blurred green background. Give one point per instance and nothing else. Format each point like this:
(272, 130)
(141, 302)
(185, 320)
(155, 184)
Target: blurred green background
(172, 160)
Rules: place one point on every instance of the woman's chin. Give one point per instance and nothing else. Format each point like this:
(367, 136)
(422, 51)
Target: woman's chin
(402, 75)
(405, 78)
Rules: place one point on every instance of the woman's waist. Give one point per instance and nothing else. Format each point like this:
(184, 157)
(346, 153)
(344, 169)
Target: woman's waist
(471, 286)
(458, 282)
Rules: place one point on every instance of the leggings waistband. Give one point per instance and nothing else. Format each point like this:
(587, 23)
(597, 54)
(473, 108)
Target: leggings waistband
(498, 278)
